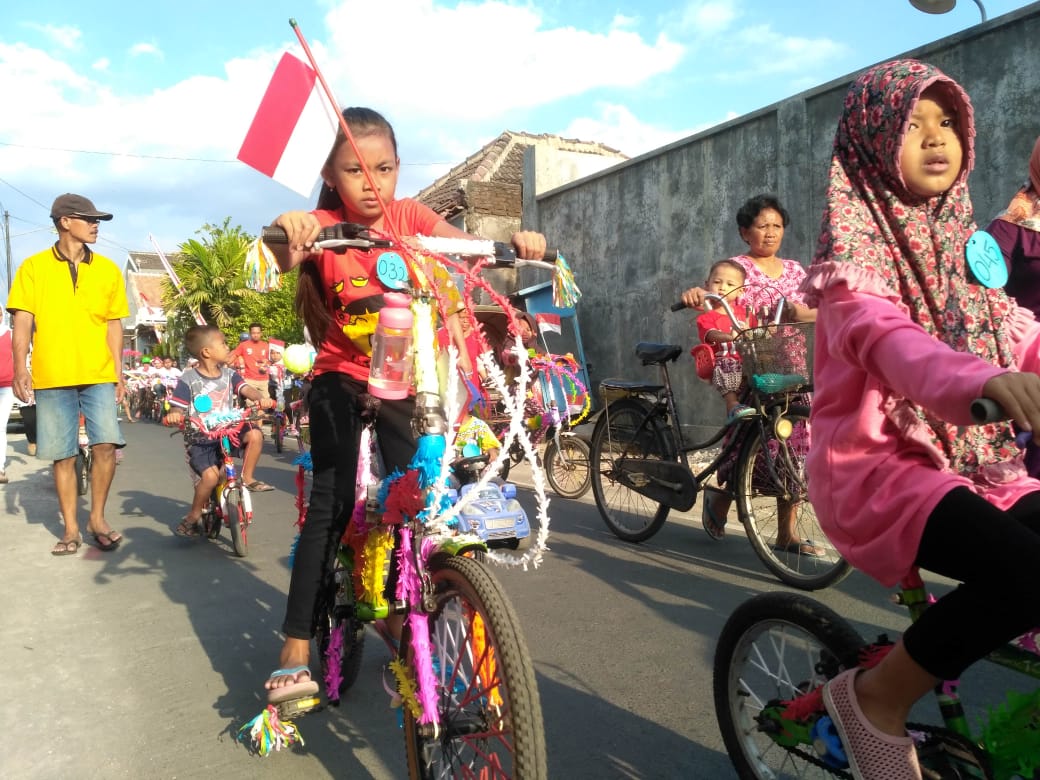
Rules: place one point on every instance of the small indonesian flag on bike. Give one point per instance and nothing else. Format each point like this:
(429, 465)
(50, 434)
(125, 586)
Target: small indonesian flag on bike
(549, 322)
(293, 129)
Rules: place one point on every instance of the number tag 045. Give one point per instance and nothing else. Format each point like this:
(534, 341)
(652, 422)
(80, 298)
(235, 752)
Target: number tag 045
(985, 260)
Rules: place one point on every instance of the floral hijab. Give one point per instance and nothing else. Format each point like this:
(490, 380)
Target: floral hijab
(879, 238)
(1024, 208)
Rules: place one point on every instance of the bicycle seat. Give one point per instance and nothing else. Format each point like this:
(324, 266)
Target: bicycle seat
(652, 354)
(629, 386)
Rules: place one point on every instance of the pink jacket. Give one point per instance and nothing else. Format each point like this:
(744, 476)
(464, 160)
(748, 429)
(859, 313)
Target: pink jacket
(872, 488)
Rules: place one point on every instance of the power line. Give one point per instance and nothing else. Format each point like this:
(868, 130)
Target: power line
(138, 156)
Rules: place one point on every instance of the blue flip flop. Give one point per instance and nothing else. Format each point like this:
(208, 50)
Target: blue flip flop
(297, 690)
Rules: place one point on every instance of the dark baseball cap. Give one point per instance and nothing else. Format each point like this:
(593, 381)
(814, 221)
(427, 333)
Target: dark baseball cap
(69, 205)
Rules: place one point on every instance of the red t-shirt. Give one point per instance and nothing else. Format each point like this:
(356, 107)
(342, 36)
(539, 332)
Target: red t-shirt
(717, 319)
(251, 352)
(354, 293)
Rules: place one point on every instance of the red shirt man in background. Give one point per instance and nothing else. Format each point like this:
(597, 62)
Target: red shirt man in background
(252, 358)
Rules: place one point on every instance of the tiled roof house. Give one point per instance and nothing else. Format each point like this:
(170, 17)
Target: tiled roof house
(484, 194)
(143, 276)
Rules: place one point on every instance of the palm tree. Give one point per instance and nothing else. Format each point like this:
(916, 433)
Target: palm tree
(213, 282)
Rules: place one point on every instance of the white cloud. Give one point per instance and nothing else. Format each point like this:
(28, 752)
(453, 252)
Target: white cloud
(145, 49)
(473, 60)
(66, 36)
(102, 64)
(705, 18)
(618, 127)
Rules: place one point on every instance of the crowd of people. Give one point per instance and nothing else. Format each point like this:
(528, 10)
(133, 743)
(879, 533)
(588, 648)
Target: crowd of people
(898, 475)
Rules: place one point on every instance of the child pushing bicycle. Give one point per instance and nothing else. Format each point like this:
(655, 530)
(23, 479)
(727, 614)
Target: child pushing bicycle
(210, 388)
(907, 335)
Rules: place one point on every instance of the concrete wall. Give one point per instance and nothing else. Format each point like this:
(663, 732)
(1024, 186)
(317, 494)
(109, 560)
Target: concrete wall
(639, 233)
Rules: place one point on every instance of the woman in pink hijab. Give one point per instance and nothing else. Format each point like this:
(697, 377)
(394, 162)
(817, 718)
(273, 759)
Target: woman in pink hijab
(906, 337)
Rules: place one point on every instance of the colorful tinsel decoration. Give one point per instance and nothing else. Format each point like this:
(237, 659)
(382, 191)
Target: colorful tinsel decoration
(406, 687)
(261, 269)
(374, 566)
(404, 499)
(565, 289)
(422, 662)
(484, 656)
(1011, 735)
(333, 666)
(267, 732)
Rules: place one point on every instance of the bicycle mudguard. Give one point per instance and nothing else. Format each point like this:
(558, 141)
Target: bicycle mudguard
(665, 482)
(460, 545)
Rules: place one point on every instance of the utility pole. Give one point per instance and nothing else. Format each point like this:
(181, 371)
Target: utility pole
(7, 247)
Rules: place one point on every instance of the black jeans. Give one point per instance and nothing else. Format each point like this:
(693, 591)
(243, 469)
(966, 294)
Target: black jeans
(335, 436)
(996, 556)
(29, 421)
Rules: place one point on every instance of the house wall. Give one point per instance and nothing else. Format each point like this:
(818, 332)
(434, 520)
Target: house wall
(639, 233)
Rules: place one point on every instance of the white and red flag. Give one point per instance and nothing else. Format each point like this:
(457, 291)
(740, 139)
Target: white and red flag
(550, 322)
(293, 129)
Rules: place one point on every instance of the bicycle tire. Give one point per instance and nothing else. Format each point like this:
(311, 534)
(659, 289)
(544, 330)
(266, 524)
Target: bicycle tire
(82, 471)
(570, 476)
(774, 647)
(279, 432)
(629, 515)
(346, 664)
(489, 710)
(758, 504)
(236, 520)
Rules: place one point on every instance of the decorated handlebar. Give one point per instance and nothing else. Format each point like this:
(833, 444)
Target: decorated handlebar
(349, 235)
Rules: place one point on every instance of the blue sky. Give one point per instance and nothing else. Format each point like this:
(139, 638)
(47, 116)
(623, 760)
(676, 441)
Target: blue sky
(142, 107)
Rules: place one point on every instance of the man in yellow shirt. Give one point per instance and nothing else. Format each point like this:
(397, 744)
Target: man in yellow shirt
(69, 302)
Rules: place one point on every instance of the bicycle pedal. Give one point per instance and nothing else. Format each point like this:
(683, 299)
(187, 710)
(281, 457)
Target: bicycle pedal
(287, 710)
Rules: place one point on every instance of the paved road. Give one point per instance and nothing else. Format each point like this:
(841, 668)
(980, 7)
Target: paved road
(143, 662)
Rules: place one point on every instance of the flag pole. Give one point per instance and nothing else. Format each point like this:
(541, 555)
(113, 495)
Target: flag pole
(199, 319)
(392, 228)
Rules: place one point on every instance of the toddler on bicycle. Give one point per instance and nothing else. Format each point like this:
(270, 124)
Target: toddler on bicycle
(906, 337)
(717, 330)
(220, 386)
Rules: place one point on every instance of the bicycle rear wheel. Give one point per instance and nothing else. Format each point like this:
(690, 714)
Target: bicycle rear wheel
(340, 637)
(771, 486)
(236, 520)
(773, 648)
(629, 515)
(278, 423)
(567, 466)
(490, 716)
(82, 471)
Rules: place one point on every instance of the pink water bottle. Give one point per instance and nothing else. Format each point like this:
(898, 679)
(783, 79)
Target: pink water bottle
(390, 375)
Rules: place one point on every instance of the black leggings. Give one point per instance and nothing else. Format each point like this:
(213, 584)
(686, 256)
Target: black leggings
(335, 437)
(996, 556)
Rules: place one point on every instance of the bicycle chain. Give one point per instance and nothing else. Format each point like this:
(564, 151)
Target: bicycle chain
(953, 737)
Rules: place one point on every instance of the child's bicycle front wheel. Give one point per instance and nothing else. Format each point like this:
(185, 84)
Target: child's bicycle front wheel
(489, 712)
(774, 648)
(235, 516)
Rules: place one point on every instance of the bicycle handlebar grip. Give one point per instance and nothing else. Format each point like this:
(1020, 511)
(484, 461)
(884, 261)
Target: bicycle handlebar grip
(505, 254)
(272, 234)
(985, 410)
(678, 306)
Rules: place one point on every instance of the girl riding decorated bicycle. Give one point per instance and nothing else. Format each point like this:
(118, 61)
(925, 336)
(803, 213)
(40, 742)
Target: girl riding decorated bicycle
(907, 334)
(339, 296)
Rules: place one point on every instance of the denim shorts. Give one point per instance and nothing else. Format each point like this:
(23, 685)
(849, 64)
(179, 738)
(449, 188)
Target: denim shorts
(57, 419)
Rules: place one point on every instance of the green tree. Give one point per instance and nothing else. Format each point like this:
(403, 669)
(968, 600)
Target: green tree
(213, 278)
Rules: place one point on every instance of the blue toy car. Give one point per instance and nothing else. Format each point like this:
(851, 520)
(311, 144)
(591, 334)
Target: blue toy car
(494, 514)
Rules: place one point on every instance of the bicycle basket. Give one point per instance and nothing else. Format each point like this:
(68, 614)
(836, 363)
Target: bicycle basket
(778, 358)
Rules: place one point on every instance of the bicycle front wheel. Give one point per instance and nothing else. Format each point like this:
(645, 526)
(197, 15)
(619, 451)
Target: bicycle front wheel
(773, 504)
(489, 714)
(620, 440)
(236, 520)
(279, 432)
(567, 466)
(773, 648)
(82, 471)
